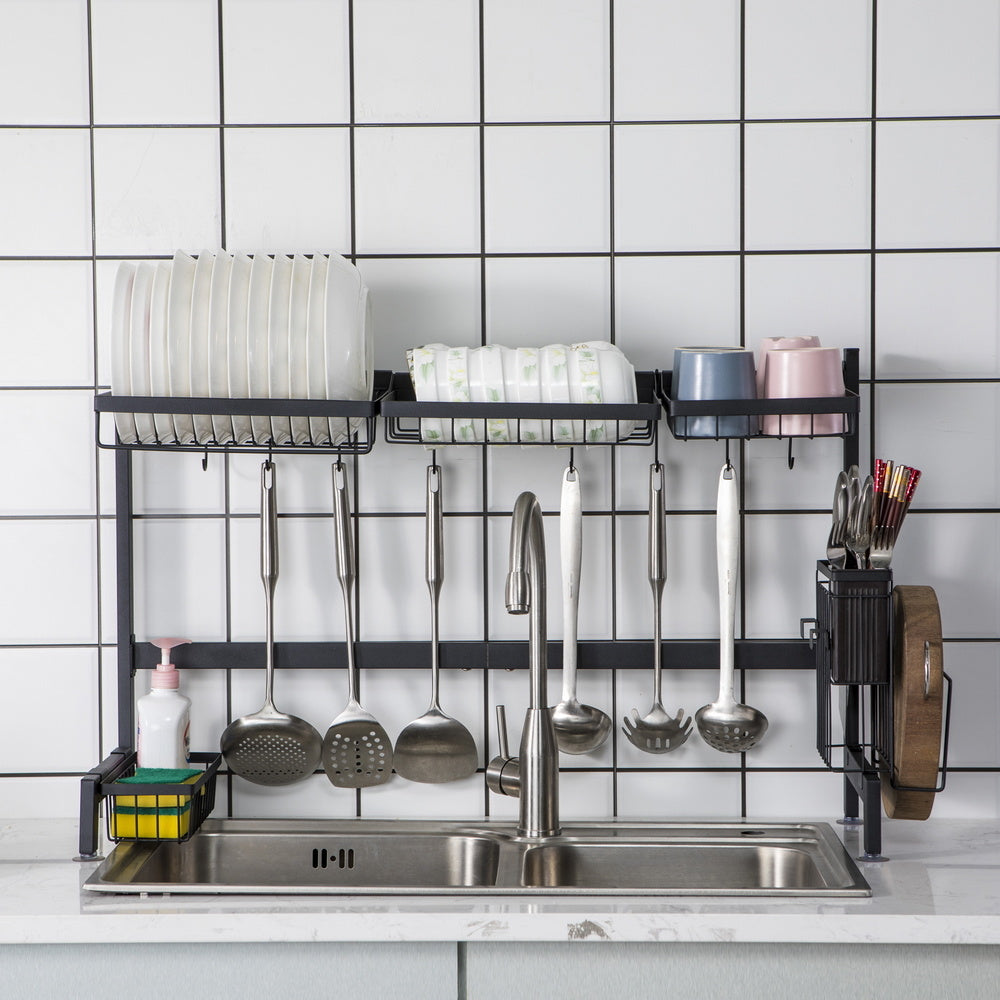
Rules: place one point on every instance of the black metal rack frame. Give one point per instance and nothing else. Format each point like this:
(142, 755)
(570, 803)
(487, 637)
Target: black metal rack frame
(861, 779)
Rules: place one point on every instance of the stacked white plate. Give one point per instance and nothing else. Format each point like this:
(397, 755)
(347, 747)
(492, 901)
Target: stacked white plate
(590, 372)
(228, 325)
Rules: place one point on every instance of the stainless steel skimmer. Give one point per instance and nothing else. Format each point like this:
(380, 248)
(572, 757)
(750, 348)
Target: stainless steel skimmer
(656, 731)
(727, 725)
(435, 748)
(357, 751)
(270, 748)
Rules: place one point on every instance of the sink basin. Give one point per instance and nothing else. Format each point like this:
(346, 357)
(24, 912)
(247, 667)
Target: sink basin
(413, 857)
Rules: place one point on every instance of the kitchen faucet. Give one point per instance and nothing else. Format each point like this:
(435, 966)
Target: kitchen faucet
(533, 775)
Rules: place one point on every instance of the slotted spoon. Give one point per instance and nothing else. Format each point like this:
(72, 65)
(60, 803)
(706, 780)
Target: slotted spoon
(727, 725)
(357, 751)
(269, 747)
(656, 731)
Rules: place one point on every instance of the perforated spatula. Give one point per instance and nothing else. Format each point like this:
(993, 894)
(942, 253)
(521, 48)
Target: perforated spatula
(357, 751)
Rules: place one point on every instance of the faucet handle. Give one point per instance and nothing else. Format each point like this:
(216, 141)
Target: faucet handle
(503, 773)
(502, 732)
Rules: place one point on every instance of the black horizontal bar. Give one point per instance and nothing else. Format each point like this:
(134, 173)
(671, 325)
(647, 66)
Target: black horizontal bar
(678, 654)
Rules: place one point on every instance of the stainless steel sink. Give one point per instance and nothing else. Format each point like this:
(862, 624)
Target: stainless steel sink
(445, 858)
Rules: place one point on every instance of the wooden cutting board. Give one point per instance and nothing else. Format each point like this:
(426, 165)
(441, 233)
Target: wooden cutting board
(918, 701)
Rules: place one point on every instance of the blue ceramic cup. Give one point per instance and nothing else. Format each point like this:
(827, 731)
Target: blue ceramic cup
(704, 373)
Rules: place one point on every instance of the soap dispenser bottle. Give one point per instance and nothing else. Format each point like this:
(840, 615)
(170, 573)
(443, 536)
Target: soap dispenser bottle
(163, 737)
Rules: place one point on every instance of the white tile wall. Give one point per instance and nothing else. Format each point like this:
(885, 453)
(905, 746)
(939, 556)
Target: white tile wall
(562, 170)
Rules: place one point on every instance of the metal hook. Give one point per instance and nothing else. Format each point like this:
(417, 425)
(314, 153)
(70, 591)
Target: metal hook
(791, 458)
(729, 464)
(572, 468)
(204, 460)
(656, 441)
(434, 458)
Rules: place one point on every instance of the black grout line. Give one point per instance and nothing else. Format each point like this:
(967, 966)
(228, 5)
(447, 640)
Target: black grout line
(55, 258)
(501, 123)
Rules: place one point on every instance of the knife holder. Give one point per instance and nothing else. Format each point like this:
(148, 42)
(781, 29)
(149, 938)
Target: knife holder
(853, 616)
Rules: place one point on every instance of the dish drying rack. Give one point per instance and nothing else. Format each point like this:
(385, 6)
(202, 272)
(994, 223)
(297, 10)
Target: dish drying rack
(394, 401)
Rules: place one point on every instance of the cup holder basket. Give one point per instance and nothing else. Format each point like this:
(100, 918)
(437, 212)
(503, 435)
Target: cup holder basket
(172, 812)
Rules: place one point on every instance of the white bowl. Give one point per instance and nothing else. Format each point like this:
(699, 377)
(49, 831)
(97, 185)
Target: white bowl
(555, 389)
(491, 364)
(585, 387)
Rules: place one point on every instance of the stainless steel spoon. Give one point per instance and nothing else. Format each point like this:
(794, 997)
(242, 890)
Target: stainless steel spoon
(435, 748)
(579, 728)
(727, 725)
(269, 747)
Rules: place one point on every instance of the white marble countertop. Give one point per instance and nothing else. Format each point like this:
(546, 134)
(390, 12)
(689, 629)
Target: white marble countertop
(942, 885)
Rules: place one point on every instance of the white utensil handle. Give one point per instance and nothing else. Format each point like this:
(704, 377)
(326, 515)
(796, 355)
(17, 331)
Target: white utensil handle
(727, 536)
(571, 557)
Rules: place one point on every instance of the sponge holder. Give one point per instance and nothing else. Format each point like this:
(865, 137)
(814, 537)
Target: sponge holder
(153, 811)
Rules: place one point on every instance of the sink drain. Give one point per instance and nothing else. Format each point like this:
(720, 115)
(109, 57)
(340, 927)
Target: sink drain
(344, 858)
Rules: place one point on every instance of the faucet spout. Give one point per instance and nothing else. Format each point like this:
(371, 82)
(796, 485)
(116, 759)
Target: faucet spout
(538, 762)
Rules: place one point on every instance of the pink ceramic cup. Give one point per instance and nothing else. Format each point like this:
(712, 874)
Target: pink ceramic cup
(804, 373)
(778, 344)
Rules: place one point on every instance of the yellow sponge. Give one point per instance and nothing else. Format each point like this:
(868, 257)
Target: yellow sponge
(154, 817)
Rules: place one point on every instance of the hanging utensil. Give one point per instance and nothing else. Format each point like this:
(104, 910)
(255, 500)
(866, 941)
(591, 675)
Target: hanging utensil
(357, 751)
(269, 747)
(435, 748)
(836, 544)
(579, 728)
(859, 528)
(725, 724)
(657, 732)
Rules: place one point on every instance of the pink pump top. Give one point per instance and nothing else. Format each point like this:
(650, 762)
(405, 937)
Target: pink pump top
(165, 676)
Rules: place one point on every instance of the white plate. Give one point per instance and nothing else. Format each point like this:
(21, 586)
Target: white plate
(121, 376)
(236, 346)
(218, 343)
(344, 279)
(257, 375)
(298, 347)
(319, 428)
(179, 339)
(159, 384)
(142, 291)
(529, 390)
(491, 358)
(344, 339)
(279, 380)
(344, 348)
(198, 359)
